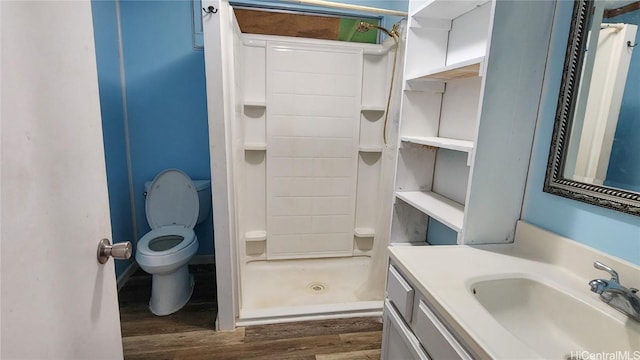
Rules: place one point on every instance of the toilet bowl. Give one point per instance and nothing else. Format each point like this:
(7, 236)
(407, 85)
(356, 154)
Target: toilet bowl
(173, 208)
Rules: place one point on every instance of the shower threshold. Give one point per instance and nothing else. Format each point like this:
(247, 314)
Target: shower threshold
(311, 312)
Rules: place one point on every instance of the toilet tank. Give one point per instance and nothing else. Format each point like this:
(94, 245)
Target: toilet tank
(204, 197)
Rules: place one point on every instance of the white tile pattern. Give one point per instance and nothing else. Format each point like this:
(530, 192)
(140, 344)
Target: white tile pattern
(313, 114)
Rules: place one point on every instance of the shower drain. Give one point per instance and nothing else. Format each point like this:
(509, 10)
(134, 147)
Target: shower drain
(317, 287)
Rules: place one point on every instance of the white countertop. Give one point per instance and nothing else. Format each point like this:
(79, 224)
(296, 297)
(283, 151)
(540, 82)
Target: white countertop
(445, 274)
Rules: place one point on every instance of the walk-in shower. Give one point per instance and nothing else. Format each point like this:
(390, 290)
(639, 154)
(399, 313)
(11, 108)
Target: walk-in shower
(324, 120)
(309, 163)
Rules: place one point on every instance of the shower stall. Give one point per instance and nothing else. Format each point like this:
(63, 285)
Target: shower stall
(300, 169)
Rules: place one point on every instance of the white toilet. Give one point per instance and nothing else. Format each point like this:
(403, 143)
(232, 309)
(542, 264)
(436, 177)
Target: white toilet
(174, 205)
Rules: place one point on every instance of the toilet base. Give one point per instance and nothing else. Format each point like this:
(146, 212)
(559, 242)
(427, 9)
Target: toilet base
(170, 292)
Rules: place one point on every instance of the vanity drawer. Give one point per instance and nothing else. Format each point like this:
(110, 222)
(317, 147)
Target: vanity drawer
(398, 342)
(400, 293)
(434, 336)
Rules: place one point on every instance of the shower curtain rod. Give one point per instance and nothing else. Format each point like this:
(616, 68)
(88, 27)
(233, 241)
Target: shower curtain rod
(350, 7)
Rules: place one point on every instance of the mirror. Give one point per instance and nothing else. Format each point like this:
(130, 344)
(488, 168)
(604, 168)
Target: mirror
(595, 150)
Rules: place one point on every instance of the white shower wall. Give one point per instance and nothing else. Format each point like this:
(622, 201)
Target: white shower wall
(313, 96)
(311, 127)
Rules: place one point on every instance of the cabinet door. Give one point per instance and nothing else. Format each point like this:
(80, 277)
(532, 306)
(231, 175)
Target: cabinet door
(398, 342)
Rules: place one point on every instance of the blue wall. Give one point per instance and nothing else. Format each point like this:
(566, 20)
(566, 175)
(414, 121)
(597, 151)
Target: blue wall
(612, 232)
(624, 164)
(166, 99)
(106, 38)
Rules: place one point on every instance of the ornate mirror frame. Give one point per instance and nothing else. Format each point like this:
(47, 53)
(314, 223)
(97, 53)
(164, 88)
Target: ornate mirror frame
(555, 182)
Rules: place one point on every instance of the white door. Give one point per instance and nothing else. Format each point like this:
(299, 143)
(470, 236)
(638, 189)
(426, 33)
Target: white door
(57, 301)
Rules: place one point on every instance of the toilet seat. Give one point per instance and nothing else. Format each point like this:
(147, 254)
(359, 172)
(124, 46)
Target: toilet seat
(180, 254)
(187, 234)
(172, 208)
(172, 199)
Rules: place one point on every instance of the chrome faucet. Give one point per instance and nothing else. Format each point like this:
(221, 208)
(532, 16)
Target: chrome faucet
(617, 296)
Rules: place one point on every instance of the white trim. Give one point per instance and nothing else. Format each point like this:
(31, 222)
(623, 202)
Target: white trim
(251, 322)
(308, 313)
(124, 277)
(125, 121)
(215, 29)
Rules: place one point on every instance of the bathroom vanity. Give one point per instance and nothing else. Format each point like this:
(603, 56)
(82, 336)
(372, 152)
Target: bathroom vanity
(529, 299)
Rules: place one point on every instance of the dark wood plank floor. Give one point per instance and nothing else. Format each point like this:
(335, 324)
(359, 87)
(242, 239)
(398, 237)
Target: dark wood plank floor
(189, 333)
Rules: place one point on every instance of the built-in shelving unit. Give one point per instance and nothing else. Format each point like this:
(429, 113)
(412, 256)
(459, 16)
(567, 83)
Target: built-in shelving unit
(470, 97)
(447, 45)
(461, 106)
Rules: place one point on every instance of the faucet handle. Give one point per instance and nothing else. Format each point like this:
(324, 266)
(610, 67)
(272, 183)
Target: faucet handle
(600, 266)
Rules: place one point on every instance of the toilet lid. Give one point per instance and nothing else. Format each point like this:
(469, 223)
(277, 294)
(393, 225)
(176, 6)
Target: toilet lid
(172, 199)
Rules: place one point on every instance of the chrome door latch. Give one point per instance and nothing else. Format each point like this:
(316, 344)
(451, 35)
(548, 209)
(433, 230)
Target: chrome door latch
(119, 251)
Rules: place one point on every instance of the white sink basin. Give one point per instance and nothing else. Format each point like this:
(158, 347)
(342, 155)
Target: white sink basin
(552, 323)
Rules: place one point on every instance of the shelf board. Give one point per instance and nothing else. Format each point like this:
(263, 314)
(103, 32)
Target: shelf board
(461, 70)
(439, 142)
(446, 211)
(364, 232)
(446, 9)
(258, 147)
(373, 108)
(258, 235)
(370, 148)
(424, 243)
(255, 103)
(425, 86)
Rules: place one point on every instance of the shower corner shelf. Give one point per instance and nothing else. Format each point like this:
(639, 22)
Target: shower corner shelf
(255, 147)
(255, 103)
(258, 235)
(364, 232)
(370, 148)
(373, 108)
(446, 211)
(461, 70)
